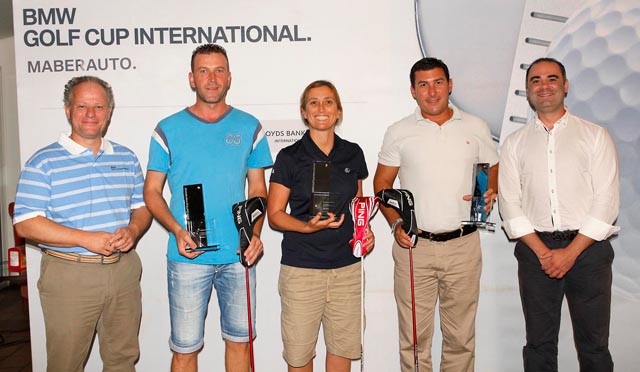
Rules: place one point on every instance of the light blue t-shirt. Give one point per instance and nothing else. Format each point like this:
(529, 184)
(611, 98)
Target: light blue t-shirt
(217, 155)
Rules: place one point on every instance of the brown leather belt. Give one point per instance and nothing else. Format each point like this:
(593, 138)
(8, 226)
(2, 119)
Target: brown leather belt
(82, 258)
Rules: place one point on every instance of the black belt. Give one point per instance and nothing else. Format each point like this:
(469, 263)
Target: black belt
(443, 237)
(558, 235)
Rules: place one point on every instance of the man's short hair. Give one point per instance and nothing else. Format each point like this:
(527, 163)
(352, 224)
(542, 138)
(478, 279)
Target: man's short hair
(317, 84)
(208, 49)
(427, 64)
(546, 59)
(71, 84)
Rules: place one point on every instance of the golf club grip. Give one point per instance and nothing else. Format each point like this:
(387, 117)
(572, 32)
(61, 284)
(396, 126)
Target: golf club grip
(245, 239)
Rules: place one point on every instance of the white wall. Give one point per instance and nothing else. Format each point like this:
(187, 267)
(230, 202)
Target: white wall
(366, 48)
(9, 145)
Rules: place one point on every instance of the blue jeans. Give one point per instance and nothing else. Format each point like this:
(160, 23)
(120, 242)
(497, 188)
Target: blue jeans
(587, 287)
(189, 293)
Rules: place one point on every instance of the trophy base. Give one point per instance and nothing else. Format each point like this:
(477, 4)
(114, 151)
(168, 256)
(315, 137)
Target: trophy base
(204, 249)
(489, 226)
(322, 203)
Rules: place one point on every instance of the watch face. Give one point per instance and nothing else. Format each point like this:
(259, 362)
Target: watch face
(477, 40)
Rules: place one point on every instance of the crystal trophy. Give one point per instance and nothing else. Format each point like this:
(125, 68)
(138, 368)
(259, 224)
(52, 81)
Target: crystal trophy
(199, 228)
(478, 215)
(322, 200)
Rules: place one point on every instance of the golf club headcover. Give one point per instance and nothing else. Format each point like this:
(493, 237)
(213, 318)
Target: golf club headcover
(245, 215)
(362, 208)
(401, 201)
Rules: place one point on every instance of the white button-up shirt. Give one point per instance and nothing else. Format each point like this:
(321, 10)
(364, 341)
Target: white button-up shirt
(561, 179)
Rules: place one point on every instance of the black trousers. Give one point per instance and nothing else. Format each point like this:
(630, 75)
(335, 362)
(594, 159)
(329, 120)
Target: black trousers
(587, 287)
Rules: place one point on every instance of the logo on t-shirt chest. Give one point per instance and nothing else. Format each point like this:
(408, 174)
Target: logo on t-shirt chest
(233, 139)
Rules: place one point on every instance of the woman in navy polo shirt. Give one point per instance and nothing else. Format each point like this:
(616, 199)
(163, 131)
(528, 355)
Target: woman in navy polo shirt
(319, 276)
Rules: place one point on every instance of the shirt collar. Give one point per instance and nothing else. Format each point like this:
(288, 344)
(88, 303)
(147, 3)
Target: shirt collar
(561, 123)
(457, 115)
(75, 148)
(309, 144)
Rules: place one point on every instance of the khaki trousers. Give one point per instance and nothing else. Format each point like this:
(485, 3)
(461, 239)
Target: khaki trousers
(79, 299)
(445, 271)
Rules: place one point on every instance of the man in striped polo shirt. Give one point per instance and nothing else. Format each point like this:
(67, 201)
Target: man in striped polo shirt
(80, 199)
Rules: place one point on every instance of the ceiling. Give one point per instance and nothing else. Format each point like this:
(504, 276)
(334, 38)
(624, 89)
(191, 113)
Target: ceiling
(6, 18)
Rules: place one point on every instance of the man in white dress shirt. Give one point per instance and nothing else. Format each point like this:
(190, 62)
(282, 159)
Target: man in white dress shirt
(559, 196)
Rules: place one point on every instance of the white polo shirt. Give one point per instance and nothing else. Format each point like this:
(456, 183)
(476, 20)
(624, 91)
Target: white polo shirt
(436, 164)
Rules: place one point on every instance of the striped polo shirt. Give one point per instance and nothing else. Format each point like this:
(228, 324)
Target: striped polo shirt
(67, 184)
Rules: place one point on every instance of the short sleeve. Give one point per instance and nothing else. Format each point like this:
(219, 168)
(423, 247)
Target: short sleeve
(281, 171)
(159, 157)
(33, 192)
(389, 152)
(260, 153)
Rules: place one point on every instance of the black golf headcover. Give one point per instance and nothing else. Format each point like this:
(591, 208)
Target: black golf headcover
(245, 215)
(402, 202)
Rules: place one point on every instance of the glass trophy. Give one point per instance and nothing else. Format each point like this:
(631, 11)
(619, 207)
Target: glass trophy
(201, 230)
(322, 200)
(478, 215)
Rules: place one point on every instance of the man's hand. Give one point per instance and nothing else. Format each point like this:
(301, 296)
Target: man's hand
(254, 251)
(401, 237)
(123, 239)
(544, 257)
(490, 197)
(561, 260)
(184, 241)
(99, 242)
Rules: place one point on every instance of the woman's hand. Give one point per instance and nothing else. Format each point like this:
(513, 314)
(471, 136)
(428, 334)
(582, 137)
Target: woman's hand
(316, 224)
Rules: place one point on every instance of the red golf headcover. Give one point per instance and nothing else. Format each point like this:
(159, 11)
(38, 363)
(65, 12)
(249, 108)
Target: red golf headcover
(362, 208)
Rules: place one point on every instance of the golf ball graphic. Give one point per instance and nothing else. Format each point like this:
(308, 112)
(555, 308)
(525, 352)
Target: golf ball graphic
(600, 48)
(486, 33)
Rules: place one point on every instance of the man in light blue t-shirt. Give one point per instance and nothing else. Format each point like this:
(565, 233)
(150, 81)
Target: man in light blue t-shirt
(218, 147)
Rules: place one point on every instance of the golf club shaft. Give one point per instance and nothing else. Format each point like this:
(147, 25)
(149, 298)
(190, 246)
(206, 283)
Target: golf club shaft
(246, 271)
(413, 311)
(362, 314)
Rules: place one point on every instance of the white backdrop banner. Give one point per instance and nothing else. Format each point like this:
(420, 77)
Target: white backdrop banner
(276, 48)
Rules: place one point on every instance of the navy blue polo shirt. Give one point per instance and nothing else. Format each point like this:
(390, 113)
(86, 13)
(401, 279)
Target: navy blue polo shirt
(329, 248)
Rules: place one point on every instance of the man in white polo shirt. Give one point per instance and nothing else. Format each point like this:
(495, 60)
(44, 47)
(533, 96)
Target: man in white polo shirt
(80, 199)
(433, 152)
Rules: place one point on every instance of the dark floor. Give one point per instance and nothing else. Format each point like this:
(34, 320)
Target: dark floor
(15, 344)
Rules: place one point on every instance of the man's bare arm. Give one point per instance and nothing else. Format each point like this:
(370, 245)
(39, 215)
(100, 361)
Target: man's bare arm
(153, 186)
(43, 230)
